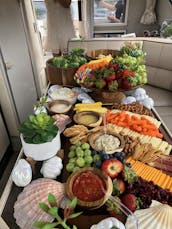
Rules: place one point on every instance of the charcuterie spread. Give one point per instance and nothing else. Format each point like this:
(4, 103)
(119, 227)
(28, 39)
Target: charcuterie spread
(112, 161)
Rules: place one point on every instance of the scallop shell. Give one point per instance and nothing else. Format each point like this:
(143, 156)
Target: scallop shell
(26, 208)
(156, 216)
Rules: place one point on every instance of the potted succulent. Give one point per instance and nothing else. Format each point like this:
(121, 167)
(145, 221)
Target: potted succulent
(40, 137)
(61, 69)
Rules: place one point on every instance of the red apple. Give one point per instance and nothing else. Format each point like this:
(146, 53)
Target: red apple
(112, 167)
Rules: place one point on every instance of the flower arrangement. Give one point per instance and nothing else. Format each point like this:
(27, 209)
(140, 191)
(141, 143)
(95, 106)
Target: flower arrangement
(125, 71)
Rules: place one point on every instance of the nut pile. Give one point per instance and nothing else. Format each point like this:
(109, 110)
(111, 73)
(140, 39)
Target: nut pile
(134, 107)
(130, 144)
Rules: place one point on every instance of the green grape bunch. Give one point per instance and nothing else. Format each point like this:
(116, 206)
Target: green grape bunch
(79, 157)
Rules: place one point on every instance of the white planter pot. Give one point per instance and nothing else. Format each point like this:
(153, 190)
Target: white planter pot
(43, 151)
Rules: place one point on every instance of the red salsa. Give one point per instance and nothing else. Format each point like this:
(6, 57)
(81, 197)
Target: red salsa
(88, 187)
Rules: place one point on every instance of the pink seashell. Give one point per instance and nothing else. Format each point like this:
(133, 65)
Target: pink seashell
(26, 208)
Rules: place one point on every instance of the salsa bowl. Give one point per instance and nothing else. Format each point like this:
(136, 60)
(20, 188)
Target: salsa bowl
(91, 186)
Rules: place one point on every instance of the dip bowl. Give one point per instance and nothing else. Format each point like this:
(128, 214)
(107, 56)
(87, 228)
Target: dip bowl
(107, 145)
(91, 186)
(88, 118)
(58, 106)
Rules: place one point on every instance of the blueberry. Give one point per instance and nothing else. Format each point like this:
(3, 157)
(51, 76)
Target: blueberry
(110, 155)
(122, 154)
(93, 152)
(98, 163)
(128, 164)
(118, 154)
(106, 157)
(102, 153)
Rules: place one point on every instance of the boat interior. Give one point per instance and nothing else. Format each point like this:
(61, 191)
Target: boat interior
(35, 31)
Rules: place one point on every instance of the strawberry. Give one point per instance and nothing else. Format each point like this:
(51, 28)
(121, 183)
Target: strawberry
(112, 85)
(118, 187)
(118, 74)
(100, 83)
(130, 201)
(89, 82)
(129, 82)
(110, 77)
(126, 84)
(119, 83)
(115, 67)
(112, 167)
(126, 73)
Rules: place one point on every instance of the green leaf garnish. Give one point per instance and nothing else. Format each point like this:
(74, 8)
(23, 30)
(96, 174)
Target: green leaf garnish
(52, 200)
(50, 225)
(44, 206)
(73, 202)
(53, 211)
(39, 224)
(74, 215)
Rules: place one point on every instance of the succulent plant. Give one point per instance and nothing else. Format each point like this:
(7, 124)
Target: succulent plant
(39, 129)
(53, 210)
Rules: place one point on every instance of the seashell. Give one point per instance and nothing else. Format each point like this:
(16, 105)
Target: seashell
(129, 100)
(140, 94)
(148, 103)
(52, 167)
(156, 216)
(26, 208)
(22, 173)
(108, 223)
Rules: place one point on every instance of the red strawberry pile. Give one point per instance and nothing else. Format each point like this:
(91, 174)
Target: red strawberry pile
(111, 77)
(123, 72)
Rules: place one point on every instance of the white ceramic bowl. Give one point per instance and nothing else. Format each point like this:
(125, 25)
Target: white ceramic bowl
(52, 88)
(43, 151)
(63, 93)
